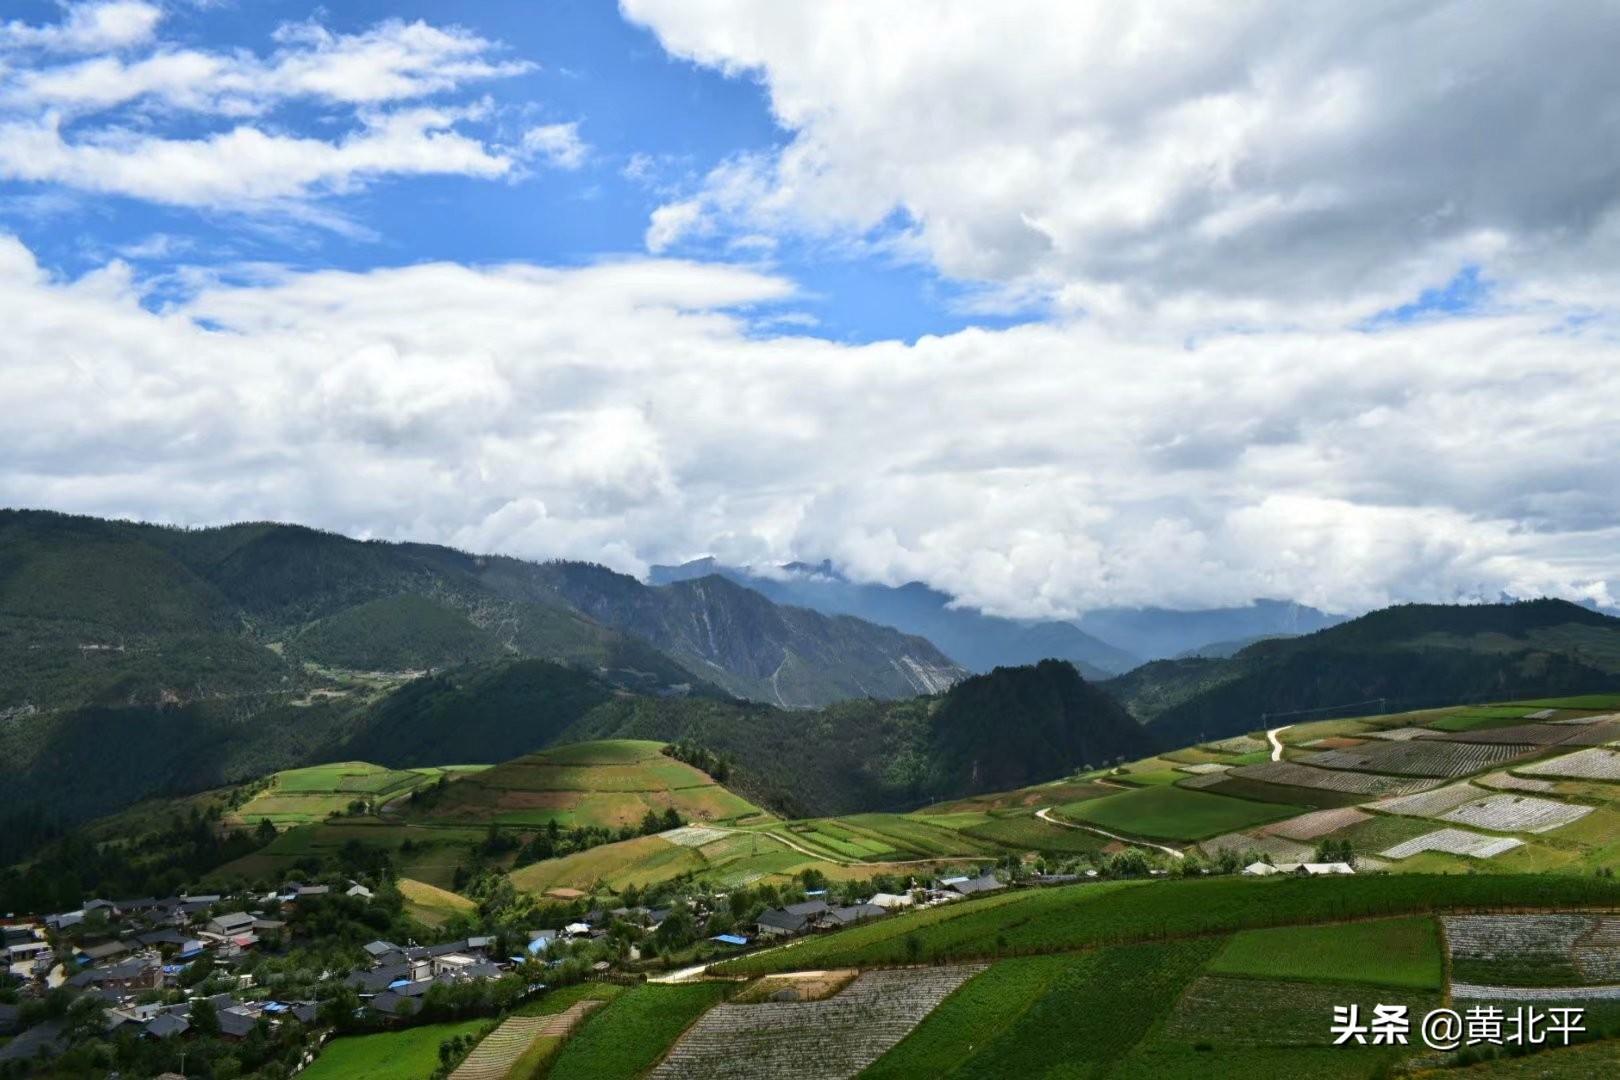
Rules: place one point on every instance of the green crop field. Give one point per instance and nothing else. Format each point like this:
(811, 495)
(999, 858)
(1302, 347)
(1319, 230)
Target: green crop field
(1026, 832)
(606, 784)
(1093, 1013)
(1081, 916)
(1273, 1030)
(1382, 952)
(411, 1054)
(1171, 813)
(627, 1037)
(301, 796)
(977, 1012)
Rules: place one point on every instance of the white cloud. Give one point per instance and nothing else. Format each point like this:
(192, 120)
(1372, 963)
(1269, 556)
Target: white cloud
(558, 144)
(87, 27)
(391, 61)
(102, 124)
(644, 411)
(244, 167)
(1212, 163)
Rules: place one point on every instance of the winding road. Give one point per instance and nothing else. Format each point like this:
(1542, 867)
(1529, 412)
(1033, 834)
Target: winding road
(1046, 816)
(1276, 743)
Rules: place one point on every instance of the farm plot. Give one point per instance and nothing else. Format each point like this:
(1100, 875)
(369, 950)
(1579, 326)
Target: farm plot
(1429, 803)
(1281, 849)
(1315, 824)
(1097, 1009)
(1595, 763)
(837, 1037)
(1420, 757)
(1506, 781)
(1203, 781)
(1601, 718)
(494, 1058)
(1594, 735)
(1238, 744)
(1520, 734)
(1356, 783)
(1204, 768)
(1453, 842)
(981, 1009)
(627, 1038)
(1400, 734)
(1380, 952)
(1027, 832)
(1171, 813)
(1515, 950)
(1240, 1012)
(1517, 813)
(692, 836)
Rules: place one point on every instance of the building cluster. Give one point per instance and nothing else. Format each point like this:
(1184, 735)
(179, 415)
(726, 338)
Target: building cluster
(815, 914)
(123, 953)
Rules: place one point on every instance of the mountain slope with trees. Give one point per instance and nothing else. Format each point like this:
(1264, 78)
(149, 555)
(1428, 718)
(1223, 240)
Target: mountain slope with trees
(1411, 655)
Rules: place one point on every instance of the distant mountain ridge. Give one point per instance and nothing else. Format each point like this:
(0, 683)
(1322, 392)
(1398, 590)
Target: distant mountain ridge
(1161, 633)
(1411, 655)
(977, 641)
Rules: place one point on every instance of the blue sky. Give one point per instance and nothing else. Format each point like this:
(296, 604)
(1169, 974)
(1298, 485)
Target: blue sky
(1308, 303)
(654, 124)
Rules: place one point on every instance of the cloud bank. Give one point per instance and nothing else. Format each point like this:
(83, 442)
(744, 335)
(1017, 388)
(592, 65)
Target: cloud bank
(641, 410)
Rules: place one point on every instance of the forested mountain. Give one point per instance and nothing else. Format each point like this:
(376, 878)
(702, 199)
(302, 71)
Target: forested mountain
(1412, 655)
(977, 641)
(137, 658)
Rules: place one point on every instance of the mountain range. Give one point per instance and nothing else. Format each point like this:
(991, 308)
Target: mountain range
(1100, 643)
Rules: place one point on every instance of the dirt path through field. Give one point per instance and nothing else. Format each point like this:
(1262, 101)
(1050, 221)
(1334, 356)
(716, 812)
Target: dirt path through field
(1276, 743)
(1045, 815)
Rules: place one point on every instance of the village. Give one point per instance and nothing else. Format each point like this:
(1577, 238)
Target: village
(174, 969)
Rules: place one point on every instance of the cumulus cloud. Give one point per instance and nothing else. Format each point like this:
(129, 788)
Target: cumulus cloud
(559, 145)
(1215, 163)
(647, 410)
(87, 27)
(99, 124)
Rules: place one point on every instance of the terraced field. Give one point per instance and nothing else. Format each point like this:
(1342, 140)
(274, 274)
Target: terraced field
(303, 796)
(1293, 774)
(609, 783)
(1596, 763)
(500, 1050)
(1420, 757)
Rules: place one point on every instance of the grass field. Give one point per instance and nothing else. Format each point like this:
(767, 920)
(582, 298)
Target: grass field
(411, 1054)
(1083, 916)
(1382, 952)
(629, 1035)
(608, 784)
(436, 851)
(430, 904)
(1171, 813)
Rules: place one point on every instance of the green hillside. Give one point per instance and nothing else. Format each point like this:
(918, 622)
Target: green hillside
(1413, 655)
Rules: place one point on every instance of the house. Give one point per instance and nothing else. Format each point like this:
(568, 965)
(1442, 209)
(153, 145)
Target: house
(1316, 869)
(236, 1023)
(229, 925)
(1260, 869)
(892, 901)
(848, 916)
(379, 949)
(105, 951)
(793, 919)
(167, 1026)
(358, 890)
(964, 886)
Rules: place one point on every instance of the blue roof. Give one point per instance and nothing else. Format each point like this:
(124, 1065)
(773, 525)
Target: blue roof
(539, 945)
(729, 939)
